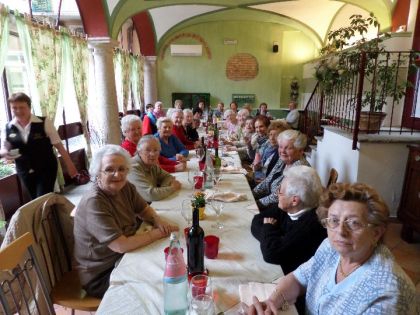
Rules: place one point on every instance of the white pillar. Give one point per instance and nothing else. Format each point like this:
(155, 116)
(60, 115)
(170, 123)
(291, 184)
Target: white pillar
(103, 107)
(150, 84)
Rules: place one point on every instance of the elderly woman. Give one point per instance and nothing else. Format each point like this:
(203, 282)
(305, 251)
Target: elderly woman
(267, 153)
(131, 128)
(171, 146)
(352, 272)
(291, 147)
(152, 183)
(178, 130)
(218, 112)
(149, 122)
(290, 234)
(158, 110)
(107, 219)
(189, 125)
(179, 104)
(260, 136)
(232, 124)
(263, 110)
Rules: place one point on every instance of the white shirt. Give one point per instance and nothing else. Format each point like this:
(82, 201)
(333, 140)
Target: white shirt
(297, 215)
(49, 129)
(292, 118)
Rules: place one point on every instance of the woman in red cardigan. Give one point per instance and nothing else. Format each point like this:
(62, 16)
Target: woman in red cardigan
(178, 130)
(131, 127)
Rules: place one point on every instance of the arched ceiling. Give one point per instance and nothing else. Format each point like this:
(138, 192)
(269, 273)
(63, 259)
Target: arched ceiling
(316, 14)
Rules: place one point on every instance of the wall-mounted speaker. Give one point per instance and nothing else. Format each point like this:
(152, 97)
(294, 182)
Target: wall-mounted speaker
(275, 47)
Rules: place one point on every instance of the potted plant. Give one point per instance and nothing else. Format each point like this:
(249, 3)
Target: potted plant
(199, 201)
(340, 65)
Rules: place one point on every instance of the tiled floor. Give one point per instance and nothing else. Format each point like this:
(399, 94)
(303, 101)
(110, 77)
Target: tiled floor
(407, 255)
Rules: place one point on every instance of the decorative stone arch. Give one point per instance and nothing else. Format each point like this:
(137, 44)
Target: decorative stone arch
(93, 16)
(194, 36)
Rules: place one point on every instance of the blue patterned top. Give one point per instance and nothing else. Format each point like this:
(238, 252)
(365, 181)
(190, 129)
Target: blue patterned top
(379, 286)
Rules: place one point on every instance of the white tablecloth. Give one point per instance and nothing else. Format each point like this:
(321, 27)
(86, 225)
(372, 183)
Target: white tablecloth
(136, 283)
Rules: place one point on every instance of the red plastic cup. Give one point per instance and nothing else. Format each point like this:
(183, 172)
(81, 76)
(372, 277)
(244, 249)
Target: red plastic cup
(201, 165)
(166, 251)
(211, 246)
(198, 180)
(200, 284)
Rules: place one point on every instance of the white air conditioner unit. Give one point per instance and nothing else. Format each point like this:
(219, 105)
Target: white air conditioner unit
(186, 50)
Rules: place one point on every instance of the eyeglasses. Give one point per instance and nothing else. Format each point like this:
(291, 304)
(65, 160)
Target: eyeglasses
(112, 172)
(352, 225)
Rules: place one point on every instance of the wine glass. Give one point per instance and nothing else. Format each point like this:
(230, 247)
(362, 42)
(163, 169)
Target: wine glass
(217, 176)
(186, 211)
(217, 206)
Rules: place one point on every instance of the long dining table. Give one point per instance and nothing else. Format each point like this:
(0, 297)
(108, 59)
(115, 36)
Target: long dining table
(136, 285)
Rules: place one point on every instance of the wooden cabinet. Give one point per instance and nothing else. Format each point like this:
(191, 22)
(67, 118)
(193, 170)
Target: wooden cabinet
(409, 211)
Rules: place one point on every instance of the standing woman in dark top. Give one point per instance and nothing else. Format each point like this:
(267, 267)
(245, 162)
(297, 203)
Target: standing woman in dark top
(29, 140)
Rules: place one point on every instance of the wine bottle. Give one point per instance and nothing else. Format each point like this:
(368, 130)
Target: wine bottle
(195, 246)
(216, 137)
(202, 162)
(217, 160)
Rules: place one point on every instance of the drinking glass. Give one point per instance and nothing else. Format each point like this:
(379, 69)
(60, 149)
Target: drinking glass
(202, 305)
(200, 285)
(186, 211)
(217, 206)
(217, 176)
(200, 153)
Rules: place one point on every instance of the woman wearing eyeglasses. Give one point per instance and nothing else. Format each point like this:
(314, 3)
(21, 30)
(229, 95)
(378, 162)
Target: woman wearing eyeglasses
(352, 272)
(107, 219)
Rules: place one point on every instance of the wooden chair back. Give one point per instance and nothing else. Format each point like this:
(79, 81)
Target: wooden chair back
(18, 292)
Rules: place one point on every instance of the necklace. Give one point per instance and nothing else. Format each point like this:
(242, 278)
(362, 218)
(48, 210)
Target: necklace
(344, 274)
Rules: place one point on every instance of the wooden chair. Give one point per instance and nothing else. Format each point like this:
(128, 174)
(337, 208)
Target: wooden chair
(333, 177)
(57, 250)
(19, 291)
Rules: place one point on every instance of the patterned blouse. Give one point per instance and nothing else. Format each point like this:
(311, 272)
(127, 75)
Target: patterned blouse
(266, 191)
(379, 286)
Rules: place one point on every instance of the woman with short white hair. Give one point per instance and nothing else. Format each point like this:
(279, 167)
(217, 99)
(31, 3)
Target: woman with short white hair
(131, 127)
(158, 110)
(107, 219)
(151, 182)
(232, 124)
(292, 144)
(289, 233)
(171, 146)
(178, 130)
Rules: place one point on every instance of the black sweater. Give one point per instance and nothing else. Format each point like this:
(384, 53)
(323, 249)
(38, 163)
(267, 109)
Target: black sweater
(288, 243)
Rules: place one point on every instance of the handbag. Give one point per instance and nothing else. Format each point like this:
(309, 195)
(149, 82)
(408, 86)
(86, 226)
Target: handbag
(82, 178)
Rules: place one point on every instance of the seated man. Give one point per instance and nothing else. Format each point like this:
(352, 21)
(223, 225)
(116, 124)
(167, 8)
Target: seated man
(290, 234)
(151, 182)
(292, 117)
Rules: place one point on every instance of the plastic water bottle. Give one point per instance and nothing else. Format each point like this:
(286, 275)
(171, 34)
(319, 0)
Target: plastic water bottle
(175, 283)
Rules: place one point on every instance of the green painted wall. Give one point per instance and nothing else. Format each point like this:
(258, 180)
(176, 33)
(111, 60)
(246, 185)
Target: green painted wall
(200, 74)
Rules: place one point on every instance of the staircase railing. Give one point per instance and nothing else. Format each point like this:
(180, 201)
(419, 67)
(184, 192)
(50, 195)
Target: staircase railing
(360, 88)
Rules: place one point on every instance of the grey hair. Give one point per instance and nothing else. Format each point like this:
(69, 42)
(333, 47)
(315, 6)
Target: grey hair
(187, 111)
(227, 113)
(159, 102)
(177, 102)
(176, 110)
(298, 138)
(108, 149)
(304, 182)
(244, 110)
(146, 139)
(127, 120)
(169, 112)
(162, 120)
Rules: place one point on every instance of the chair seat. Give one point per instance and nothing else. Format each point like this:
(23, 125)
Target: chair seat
(68, 292)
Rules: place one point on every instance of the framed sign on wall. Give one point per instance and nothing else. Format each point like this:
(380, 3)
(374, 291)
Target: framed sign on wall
(242, 99)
